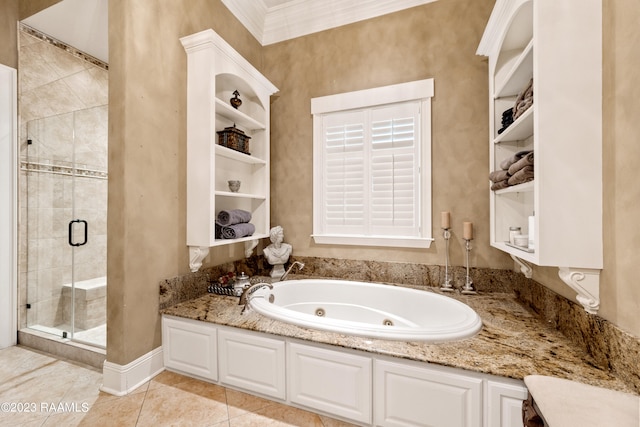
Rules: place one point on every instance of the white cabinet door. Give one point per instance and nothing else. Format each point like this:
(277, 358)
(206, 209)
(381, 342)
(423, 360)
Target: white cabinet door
(407, 395)
(333, 382)
(504, 404)
(190, 347)
(252, 362)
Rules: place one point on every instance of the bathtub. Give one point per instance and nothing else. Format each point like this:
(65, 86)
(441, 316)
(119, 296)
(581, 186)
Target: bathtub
(368, 310)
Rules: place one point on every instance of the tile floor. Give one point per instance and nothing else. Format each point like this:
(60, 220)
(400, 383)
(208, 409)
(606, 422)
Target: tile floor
(37, 389)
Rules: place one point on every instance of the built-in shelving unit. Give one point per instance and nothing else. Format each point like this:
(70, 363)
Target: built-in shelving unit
(214, 71)
(559, 46)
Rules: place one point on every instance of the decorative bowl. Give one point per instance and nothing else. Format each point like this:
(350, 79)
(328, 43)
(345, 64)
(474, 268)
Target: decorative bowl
(234, 185)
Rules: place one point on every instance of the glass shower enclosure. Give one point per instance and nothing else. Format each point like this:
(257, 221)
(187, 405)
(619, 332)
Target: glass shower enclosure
(64, 178)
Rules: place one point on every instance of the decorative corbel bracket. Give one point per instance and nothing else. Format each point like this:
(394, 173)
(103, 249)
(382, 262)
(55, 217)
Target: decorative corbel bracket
(249, 246)
(197, 254)
(524, 267)
(586, 282)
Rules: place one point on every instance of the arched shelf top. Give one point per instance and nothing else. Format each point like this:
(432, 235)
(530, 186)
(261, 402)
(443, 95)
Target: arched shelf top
(224, 81)
(519, 31)
(510, 27)
(514, 61)
(251, 112)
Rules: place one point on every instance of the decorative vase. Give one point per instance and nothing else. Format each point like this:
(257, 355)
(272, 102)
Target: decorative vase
(235, 101)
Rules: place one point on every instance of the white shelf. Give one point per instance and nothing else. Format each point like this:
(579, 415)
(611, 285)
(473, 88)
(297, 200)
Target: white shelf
(520, 253)
(519, 130)
(240, 195)
(241, 120)
(255, 236)
(561, 45)
(214, 67)
(520, 188)
(238, 156)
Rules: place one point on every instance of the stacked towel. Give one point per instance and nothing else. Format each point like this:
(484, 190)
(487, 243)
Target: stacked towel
(233, 216)
(521, 176)
(524, 101)
(514, 170)
(234, 224)
(234, 231)
(524, 161)
(507, 120)
(509, 161)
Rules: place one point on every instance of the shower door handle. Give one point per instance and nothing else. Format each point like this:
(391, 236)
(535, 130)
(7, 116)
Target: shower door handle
(86, 227)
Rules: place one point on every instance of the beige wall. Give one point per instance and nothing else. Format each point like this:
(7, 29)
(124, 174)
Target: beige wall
(147, 158)
(620, 287)
(438, 41)
(31, 7)
(9, 11)
(147, 135)
(147, 140)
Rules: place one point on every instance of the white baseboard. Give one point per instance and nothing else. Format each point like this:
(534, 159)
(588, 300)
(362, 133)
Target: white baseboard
(121, 380)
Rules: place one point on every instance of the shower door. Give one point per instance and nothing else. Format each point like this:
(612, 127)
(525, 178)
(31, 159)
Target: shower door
(64, 202)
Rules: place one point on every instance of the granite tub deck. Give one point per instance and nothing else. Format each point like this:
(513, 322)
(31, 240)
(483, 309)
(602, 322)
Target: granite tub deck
(513, 342)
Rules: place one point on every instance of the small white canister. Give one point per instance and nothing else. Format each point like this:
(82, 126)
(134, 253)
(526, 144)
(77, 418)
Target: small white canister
(513, 232)
(521, 240)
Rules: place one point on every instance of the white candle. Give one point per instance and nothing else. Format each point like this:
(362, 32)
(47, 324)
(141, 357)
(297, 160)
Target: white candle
(468, 230)
(445, 220)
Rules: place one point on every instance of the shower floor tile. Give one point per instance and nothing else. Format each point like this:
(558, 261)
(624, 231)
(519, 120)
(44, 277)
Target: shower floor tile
(37, 389)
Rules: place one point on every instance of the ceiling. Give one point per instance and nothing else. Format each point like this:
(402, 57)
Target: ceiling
(272, 21)
(79, 23)
(83, 24)
(274, 3)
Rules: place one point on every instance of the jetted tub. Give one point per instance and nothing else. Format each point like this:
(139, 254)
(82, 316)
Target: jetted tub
(367, 309)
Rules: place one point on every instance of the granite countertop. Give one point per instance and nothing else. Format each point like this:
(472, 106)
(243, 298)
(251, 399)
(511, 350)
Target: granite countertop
(513, 342)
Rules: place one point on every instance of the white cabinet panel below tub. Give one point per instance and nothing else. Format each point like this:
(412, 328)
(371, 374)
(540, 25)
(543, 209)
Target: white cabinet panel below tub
(252, 362)
(190, 347)
(504, 404)
(330, 381)
(407, 395)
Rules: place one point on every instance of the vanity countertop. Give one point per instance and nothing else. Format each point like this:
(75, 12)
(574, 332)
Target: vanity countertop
(513, 342)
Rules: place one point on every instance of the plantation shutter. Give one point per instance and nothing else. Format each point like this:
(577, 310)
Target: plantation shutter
(395, 170)
(371, 183)
(344, 181)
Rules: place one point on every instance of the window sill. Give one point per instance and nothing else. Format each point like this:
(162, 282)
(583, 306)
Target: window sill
(398, 242)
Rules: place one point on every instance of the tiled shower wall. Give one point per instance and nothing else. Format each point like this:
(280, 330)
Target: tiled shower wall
(63, 111)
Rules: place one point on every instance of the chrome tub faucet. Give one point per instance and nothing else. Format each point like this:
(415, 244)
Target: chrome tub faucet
(248, 291)
(300, 264)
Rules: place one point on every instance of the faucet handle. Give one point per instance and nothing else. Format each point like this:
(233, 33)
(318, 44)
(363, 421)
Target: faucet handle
(248, 291)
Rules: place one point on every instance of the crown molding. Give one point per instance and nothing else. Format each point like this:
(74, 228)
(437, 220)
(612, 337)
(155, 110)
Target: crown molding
(301, 17)
(251, 14)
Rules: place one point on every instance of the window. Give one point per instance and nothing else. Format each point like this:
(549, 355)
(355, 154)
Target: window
(372, 174)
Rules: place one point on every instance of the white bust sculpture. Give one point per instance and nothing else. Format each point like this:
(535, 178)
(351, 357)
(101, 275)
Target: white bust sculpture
(277, 253)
